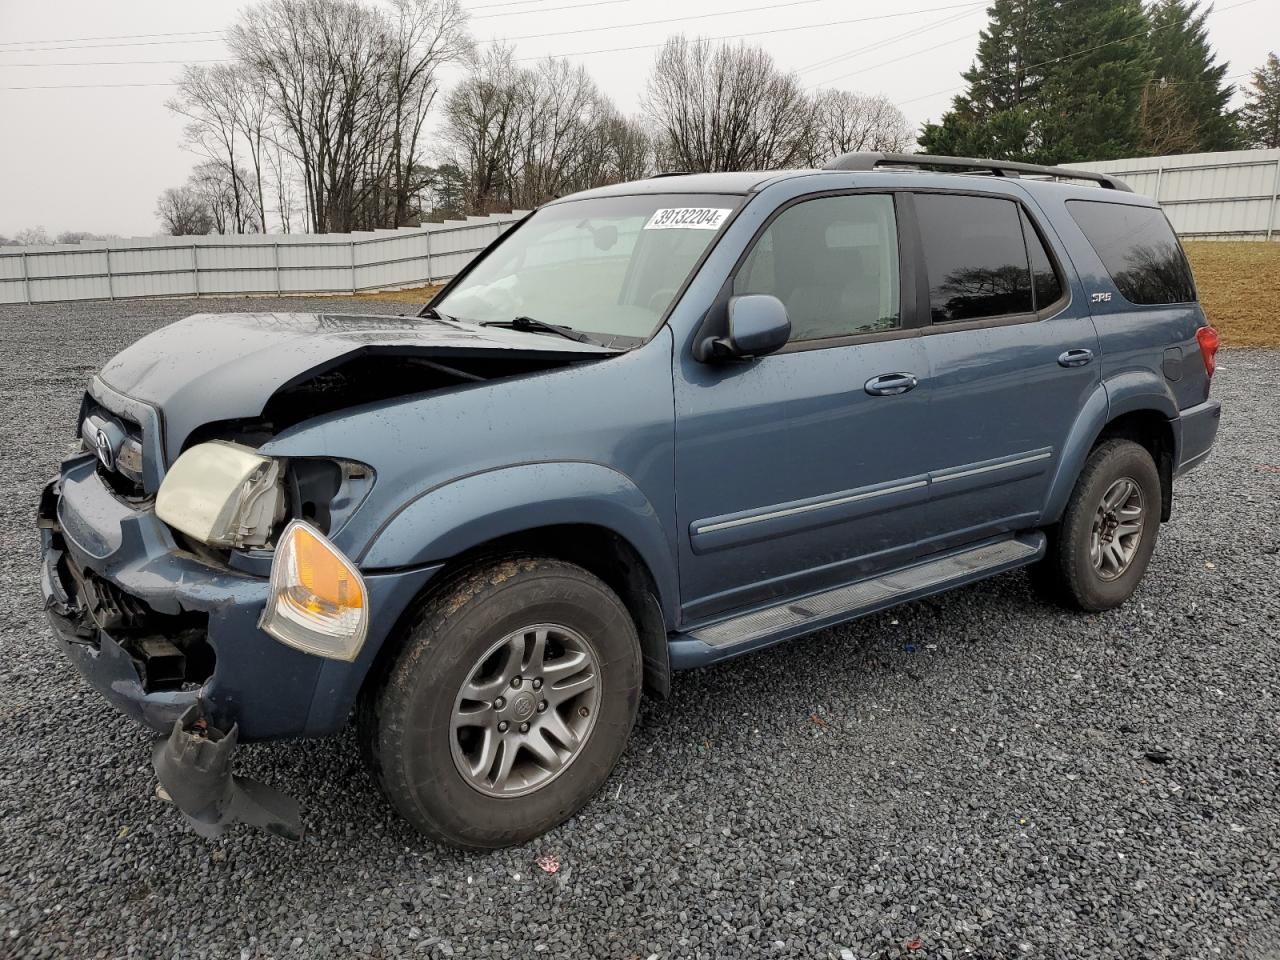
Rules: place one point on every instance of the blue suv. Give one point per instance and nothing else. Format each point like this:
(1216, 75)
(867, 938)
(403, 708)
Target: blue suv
(654, 426)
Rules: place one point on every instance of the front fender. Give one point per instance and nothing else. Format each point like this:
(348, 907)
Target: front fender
(465, 513)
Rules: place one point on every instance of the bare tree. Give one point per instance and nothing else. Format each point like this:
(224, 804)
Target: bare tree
(32, 237)
(428, 35)
(523, 136)
(725, 107)
(1166, 123)
(621, 150)
(232, 209)
(183, 212)
(482, 119)
(349, 86)
(845, 122)
(225, 110)
(283, 175)
(79, 236)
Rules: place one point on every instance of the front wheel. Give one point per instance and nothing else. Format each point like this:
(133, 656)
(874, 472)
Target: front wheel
(1100, 551)
(510, 702)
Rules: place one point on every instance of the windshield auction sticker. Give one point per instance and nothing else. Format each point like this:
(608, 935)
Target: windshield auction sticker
(687, 218)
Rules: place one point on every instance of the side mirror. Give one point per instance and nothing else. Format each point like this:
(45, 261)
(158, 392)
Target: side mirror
(750, 326)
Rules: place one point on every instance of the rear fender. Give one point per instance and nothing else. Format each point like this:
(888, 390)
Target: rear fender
(458, 516)
(1125, 393)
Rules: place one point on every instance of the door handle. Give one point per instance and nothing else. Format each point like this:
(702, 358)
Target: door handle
(891, 384)
(1075, 358)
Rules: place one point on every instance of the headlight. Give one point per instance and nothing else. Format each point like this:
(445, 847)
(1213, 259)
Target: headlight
(318, 601)
(223, 494)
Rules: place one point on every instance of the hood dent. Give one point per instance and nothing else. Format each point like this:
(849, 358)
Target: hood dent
(224, 367)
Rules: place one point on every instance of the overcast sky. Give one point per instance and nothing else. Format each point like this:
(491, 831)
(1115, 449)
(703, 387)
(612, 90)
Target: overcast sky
(94, 158)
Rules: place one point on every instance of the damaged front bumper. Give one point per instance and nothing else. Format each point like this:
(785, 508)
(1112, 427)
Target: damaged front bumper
(171, 639)
(194, 767)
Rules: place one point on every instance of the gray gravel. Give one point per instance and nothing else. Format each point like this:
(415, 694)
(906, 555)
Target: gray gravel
(965, 776)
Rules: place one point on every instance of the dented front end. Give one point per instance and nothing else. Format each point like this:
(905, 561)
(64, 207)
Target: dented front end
(160, 532)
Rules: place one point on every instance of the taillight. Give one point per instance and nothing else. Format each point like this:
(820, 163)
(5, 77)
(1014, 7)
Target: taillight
(1208, 339)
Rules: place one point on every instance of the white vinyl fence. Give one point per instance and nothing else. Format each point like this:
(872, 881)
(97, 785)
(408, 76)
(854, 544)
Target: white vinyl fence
(1234, 195)
(272, 264)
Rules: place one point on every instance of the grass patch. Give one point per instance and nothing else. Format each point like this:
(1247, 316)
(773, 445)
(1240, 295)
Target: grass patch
(1239, 284)
(417, 295)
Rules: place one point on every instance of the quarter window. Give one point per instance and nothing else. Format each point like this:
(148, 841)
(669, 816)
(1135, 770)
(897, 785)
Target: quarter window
(1139, 250)
(976, 257)
(1046, 284)
(833, 262)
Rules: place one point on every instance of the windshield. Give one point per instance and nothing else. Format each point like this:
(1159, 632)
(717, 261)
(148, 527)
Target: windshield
(608, 267)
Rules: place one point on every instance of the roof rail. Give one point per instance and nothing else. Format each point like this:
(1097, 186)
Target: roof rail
(997, 168)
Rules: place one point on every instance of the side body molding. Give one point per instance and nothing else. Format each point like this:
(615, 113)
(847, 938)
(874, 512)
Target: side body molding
(472, 510)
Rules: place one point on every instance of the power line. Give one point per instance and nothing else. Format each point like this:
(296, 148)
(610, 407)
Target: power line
(95, 46)
(905, 56)
(913, 32)
(112, 63)
(93, 86)
(727, 13)
(504, 3)
(573, 6)
(749, 33)
(118, 36)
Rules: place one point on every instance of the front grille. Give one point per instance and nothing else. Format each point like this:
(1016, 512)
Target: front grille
(117, 441)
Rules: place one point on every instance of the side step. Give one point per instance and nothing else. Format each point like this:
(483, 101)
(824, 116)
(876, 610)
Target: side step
(760, 628)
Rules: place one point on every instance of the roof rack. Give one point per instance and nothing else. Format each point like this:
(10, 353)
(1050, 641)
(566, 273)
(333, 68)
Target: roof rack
(997, 168)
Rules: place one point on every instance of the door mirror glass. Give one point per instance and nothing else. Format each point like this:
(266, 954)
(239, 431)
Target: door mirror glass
(752, 326)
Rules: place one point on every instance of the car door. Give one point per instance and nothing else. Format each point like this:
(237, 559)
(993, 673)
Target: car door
(1013, 357)
(804, 469)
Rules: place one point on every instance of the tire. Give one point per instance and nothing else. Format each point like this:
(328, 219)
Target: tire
(1073, 572)
(428, 739)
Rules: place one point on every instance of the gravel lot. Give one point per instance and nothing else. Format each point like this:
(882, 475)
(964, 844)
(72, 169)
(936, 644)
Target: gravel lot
(966, 776)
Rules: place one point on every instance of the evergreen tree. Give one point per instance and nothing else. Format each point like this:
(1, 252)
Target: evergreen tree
(1261, 114)
(1185, 105)
(996, 116)
(1094, 89)
(1055, 81)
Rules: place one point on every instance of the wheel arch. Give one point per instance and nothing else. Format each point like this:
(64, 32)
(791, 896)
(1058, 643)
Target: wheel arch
(1136, 410)
(583, 513)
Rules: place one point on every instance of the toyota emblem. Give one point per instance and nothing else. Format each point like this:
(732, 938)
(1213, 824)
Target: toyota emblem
(102, 445)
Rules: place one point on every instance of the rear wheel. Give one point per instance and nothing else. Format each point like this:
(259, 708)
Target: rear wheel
(1099, 553)
(510, 702)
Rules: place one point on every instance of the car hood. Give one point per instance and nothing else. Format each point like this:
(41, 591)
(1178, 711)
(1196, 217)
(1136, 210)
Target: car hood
(214, 367)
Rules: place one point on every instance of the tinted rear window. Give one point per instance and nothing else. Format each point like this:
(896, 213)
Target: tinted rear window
(1139, 250)
(976, 257)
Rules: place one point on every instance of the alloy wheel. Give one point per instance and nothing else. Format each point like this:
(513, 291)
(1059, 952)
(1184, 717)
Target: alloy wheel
(1117, 529)
(526, 710)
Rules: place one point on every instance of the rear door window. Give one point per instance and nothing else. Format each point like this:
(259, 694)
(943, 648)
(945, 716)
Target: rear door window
(1139, 249)
(975, 257)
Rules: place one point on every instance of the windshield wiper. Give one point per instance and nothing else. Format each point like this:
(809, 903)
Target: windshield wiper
(540, 326)
(431, 313)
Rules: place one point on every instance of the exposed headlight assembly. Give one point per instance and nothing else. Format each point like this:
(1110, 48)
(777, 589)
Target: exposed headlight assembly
(223, 494)
(318, 601)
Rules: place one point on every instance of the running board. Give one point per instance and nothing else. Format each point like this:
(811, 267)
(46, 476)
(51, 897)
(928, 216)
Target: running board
(760, 628)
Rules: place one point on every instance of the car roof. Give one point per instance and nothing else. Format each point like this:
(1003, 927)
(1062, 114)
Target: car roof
(739, 181)
(744, 182)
